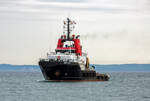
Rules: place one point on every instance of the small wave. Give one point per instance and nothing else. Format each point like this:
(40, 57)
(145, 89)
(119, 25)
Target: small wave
(146, 97)
(41, 80)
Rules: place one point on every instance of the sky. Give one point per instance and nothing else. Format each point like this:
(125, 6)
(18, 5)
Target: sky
(112, 31)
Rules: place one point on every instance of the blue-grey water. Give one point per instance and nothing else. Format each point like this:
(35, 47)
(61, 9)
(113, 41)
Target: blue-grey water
(29, 86)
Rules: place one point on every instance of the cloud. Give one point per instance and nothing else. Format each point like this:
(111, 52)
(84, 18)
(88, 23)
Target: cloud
(85, 5)
(62, 0)
(49, 9)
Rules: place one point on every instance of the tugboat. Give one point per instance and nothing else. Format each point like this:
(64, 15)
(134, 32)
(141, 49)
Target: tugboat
(68, 62)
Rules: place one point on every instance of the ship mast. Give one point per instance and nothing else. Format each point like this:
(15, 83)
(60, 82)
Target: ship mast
(68, 27)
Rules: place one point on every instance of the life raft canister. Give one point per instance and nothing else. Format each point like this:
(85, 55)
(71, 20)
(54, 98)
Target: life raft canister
(58, 57)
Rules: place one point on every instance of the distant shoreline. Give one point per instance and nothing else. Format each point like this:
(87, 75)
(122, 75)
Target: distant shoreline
(98, 67)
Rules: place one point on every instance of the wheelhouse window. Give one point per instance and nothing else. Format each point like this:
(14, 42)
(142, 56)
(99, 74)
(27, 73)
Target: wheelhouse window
(65, 51)
(68, 44)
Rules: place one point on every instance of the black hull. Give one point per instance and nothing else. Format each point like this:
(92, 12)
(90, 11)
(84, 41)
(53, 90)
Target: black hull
(60, 71)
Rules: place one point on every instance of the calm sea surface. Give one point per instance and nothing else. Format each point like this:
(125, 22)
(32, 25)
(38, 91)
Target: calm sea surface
(29, 86)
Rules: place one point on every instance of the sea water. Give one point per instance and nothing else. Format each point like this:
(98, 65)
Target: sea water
(30, 86)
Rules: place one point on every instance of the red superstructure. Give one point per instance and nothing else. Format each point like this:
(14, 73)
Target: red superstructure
(75, 44)
(68, 43)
